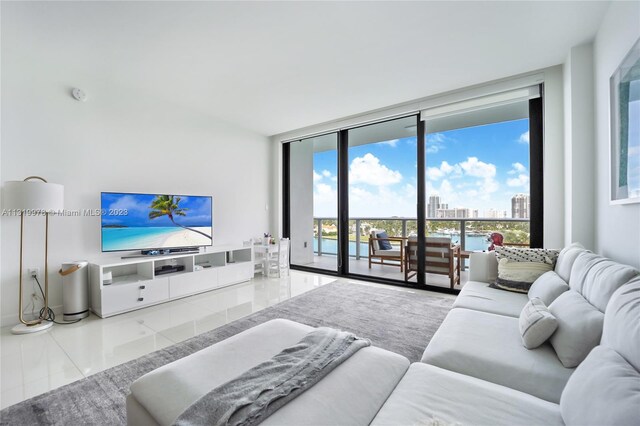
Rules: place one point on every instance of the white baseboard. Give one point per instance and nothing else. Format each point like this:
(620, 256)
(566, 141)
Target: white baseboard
(12, 319)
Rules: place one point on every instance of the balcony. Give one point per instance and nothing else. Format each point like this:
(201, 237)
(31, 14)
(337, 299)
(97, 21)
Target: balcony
(470, 233)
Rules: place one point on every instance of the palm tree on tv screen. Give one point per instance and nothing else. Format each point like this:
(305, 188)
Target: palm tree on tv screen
(167, 205)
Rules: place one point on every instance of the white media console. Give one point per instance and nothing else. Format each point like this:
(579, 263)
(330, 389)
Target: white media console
(134, 283)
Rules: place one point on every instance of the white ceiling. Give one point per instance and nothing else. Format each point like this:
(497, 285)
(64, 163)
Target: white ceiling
(278, 66)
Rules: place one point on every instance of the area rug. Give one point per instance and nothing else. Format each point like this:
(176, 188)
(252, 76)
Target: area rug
(400, 321)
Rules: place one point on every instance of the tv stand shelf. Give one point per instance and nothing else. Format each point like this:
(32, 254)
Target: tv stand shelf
(134, 283)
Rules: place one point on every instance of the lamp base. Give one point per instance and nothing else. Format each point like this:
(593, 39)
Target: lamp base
(26, 329)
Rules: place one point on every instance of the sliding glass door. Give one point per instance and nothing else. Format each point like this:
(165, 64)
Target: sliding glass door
(382, 196)
(313, 168)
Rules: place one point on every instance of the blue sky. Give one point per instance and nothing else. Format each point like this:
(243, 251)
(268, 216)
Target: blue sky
(137, 207)
(478, 168)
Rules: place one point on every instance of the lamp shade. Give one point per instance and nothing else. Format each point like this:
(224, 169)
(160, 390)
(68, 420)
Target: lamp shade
(33, 195)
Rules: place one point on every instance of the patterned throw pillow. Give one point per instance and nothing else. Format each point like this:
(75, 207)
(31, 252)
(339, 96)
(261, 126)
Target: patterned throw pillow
(518, 276)
(517, 254)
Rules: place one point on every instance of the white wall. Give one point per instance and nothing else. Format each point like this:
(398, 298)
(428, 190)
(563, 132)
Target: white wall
(579, 150)
(618, 226)
(118, 140)
(553, 158)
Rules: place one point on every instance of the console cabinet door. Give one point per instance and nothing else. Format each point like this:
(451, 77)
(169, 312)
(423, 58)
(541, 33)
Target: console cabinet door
(235, 273)
(119, 298)
(193, 282)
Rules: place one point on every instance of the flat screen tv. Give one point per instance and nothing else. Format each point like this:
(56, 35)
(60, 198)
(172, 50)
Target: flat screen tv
(155, 221)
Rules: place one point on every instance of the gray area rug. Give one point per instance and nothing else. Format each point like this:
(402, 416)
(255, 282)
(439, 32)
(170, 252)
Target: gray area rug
(399, 321)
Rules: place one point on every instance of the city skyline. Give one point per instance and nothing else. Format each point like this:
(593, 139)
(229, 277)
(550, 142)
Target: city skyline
(479, 168)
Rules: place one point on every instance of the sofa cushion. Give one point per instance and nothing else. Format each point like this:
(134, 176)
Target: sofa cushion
(352, 393)
(597, 278)
(604, 390)
(566, 258)
(548, 287)
(621, 330)
(518, 276)
(489, 347)
(579, 328)
(536, 324)
(480, 297)
(427, 394)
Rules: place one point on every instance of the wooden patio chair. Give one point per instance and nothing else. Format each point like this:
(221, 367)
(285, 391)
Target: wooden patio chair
(378, 254)
(441, 257)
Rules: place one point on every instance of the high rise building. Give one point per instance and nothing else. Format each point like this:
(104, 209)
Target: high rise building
(433, 205)
(520, 206)
(454, 213)
(495, 214)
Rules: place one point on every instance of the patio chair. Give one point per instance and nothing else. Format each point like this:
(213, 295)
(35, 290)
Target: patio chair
(441, 257)
(381, 250)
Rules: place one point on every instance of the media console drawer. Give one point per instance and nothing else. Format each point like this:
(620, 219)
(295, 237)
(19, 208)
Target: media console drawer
(125, 297)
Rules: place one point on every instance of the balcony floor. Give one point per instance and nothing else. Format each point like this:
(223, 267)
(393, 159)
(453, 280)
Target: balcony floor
(361, 267)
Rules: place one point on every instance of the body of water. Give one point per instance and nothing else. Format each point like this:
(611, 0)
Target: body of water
(330, 246)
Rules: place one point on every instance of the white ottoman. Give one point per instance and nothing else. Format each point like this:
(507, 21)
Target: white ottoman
(351, 394)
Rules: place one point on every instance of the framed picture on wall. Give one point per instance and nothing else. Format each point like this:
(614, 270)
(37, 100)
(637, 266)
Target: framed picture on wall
(625, 129)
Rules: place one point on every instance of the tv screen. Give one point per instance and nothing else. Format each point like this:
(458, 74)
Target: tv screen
(155, 221)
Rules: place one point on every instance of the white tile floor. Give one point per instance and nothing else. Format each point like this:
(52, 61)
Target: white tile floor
(36, 363)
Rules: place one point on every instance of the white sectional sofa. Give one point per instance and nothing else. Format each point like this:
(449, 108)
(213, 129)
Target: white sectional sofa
(474, 371)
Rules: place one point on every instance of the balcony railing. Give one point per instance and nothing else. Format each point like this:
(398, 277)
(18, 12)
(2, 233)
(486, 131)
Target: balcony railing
(470, 233)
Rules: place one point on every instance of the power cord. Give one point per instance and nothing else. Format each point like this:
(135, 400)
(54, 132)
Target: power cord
(50, 315)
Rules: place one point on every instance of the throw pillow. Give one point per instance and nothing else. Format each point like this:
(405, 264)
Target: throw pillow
(579, 327)
(519, 254)
(536, 323)
(518, 276)
(384, 244)
(548, 287)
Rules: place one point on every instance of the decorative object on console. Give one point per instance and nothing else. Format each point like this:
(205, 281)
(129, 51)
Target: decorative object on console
(33, 195)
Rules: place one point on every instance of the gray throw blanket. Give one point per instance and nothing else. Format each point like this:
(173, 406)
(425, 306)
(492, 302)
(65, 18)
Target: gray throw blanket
(259, 392)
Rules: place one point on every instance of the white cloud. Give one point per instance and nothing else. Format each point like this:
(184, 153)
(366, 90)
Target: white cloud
(369, 170)
(326, 173)
(518, 167)
(392, 143)
(435, 142)
(524, 138)
(435, 173)
(316, 176)
(477, 168)
(325, 200)
(521, 180)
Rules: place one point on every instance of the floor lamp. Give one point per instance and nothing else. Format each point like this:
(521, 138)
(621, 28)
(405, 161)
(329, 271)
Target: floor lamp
(33, 196)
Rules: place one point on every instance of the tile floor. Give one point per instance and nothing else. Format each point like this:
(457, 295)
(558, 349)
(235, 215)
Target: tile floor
(36, 363)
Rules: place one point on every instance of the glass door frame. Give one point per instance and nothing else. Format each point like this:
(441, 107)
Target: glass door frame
(536, 158)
